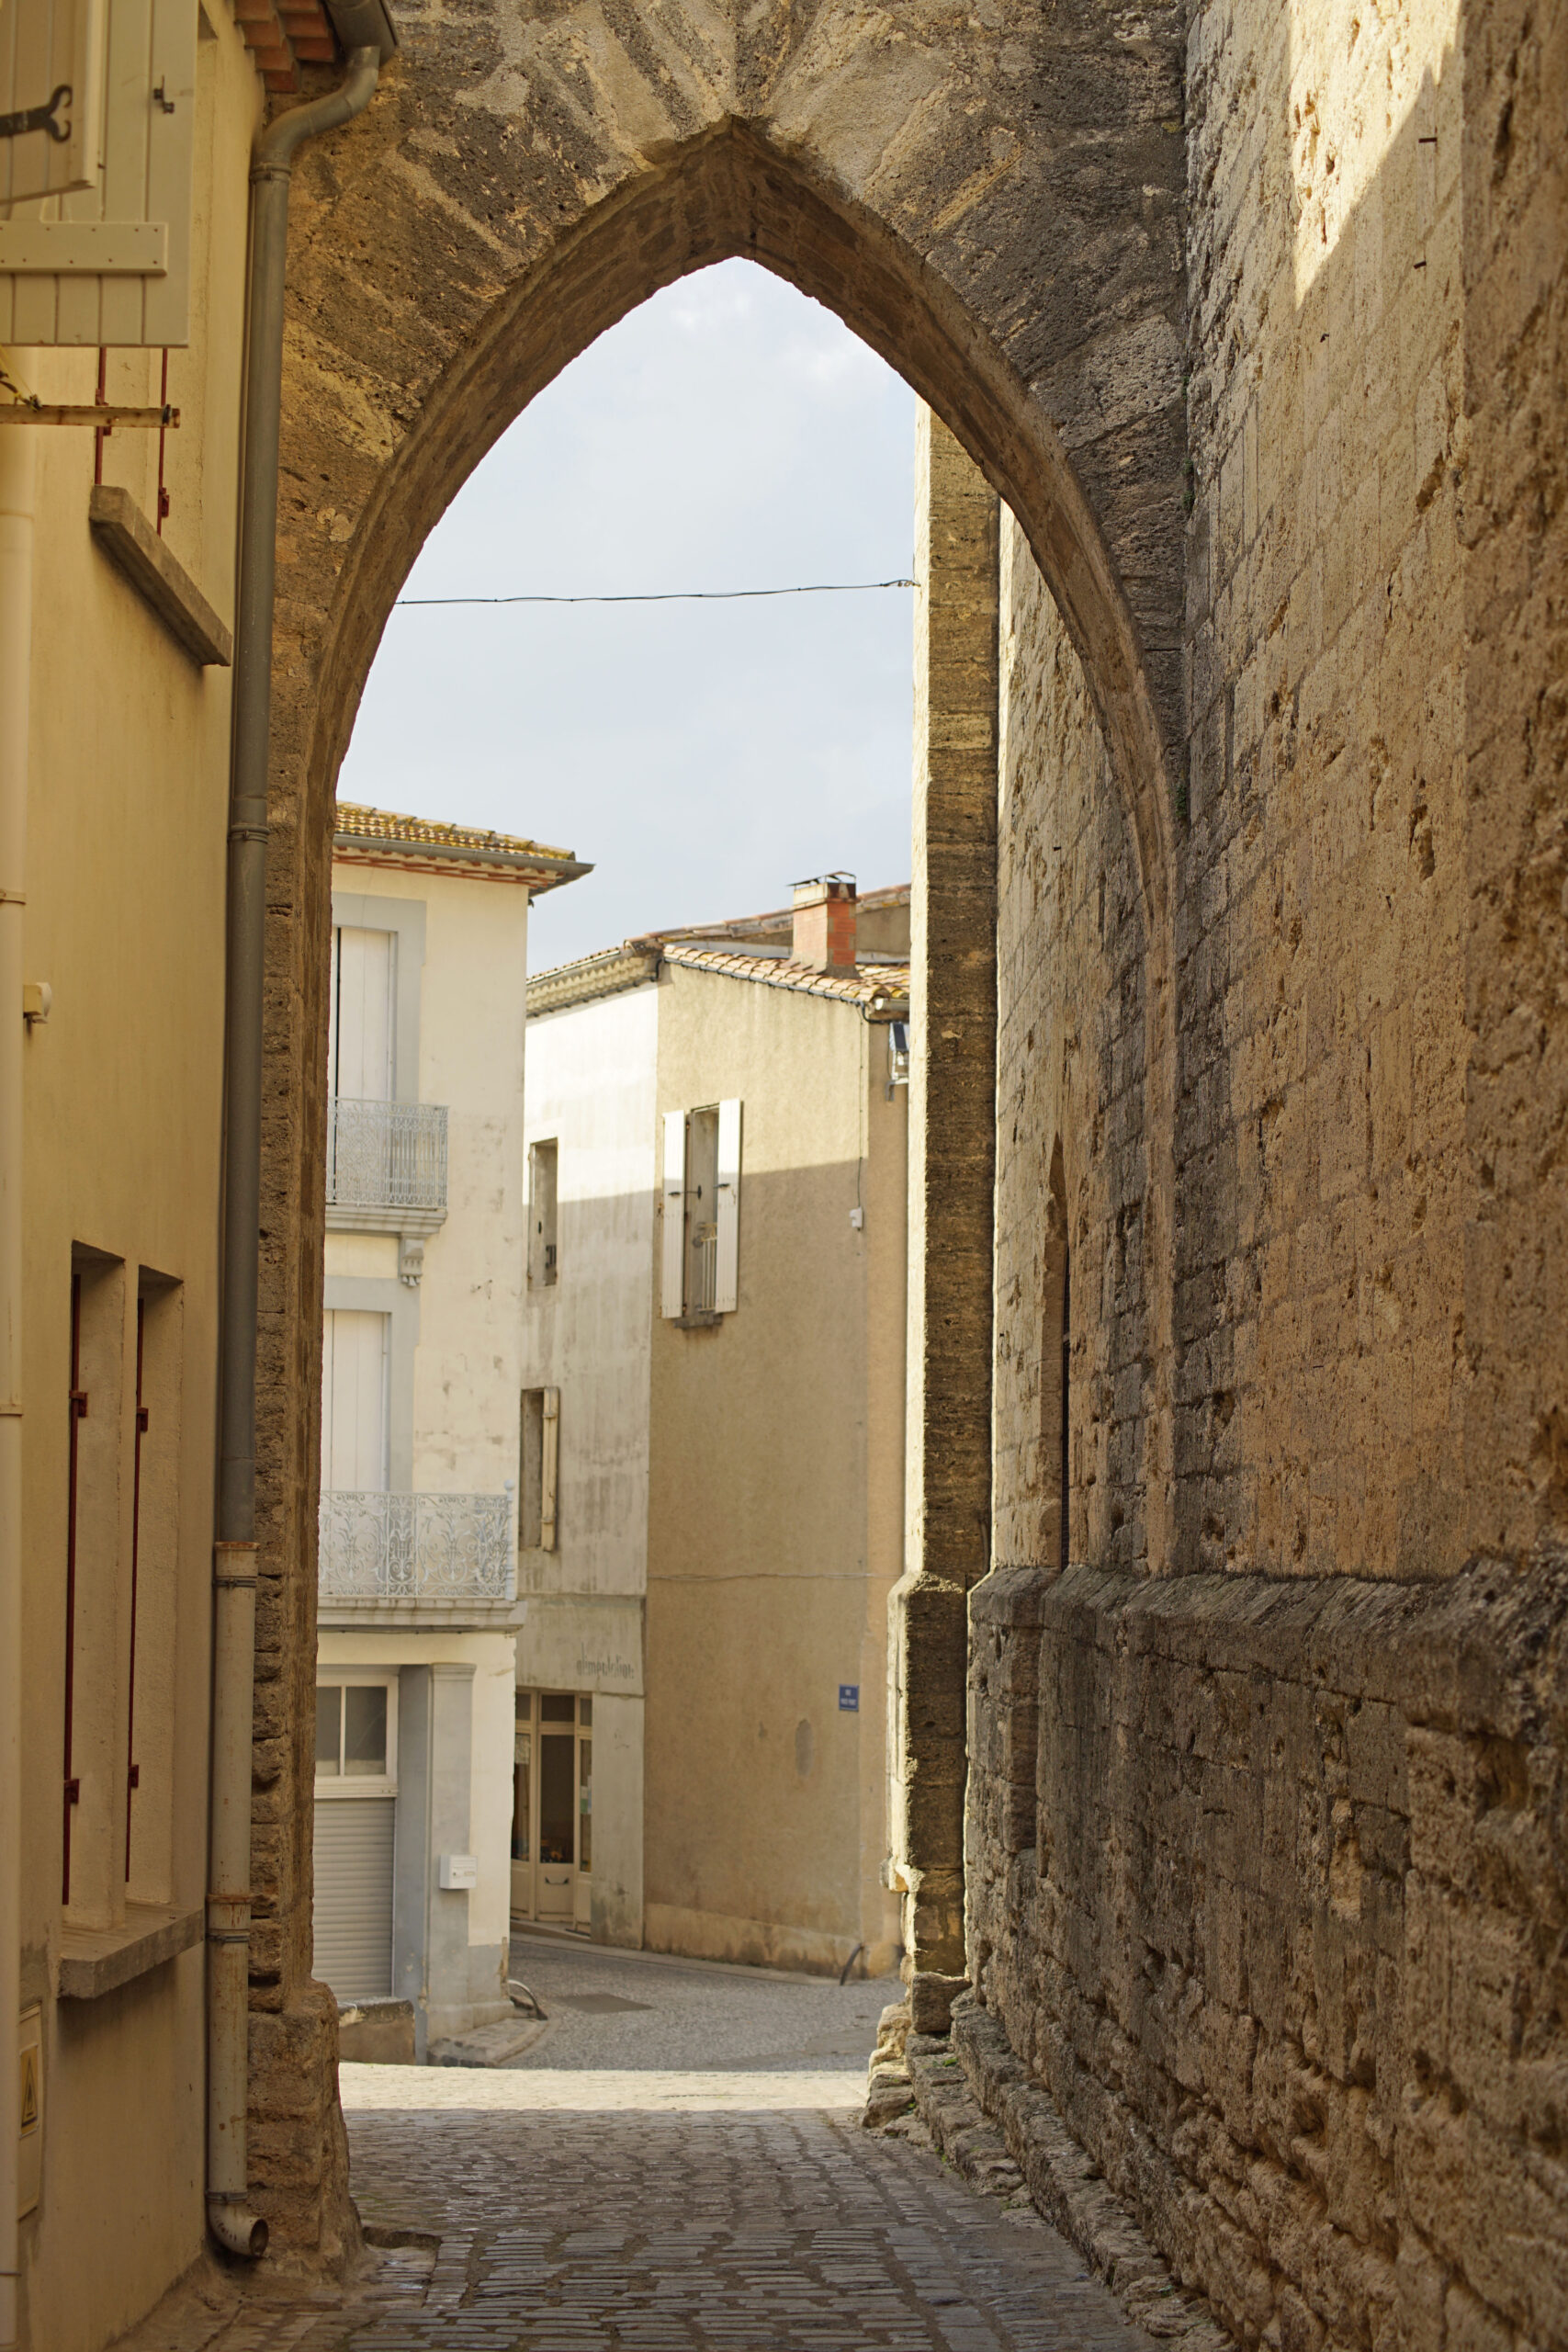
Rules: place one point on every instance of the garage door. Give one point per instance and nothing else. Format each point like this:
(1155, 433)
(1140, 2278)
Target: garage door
(353, 1896)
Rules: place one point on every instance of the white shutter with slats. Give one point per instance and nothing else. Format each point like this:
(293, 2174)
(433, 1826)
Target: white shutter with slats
(353, 1909)
(727, 1276)
(364, 1034)
(51, 66)
(128, 285)
(674, 1258)
(355, 1350)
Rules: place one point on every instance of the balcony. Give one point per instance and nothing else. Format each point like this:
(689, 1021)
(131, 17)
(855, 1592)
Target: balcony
(384, 1549)
(386, 1174)
(386, 1156)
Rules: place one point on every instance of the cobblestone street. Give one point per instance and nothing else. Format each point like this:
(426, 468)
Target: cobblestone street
(653, 2204)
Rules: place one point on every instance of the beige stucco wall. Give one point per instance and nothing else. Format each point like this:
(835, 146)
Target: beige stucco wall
(775, 1496)
(125, 920)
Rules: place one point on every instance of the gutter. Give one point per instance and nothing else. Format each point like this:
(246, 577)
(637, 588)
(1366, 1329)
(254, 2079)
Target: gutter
(366, 35)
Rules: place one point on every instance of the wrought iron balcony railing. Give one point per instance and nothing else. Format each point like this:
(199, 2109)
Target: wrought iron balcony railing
(386, 1155)
(416, 1547)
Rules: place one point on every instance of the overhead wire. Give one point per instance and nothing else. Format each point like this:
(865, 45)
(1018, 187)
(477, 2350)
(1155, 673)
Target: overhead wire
(674, 595)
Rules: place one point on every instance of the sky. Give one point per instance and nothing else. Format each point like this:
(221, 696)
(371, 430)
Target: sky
(729, 433)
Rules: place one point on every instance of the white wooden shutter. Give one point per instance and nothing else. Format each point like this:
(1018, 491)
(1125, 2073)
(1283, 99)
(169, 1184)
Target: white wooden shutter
(674, 1214)
(727, 1276)
(549, 1469)
(48, 46)
(355, 1838)
(354, 1401)
(363, 1015)
(115, 268)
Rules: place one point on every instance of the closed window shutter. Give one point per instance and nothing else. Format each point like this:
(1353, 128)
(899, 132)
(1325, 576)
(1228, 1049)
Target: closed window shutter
(727, 1280)
(549, 1470)
(674, 1258)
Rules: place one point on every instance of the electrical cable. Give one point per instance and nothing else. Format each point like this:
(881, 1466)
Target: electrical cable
(674, 595)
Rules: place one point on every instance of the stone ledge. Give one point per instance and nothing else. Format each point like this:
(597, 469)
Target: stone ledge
(992, 2122)
(95, 1961)
(159, 577)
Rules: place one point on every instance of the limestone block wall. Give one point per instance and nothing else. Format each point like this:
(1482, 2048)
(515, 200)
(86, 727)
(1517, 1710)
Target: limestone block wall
(1264, 1863)
(1073, 1170)
(1269, 1886)
(1324, 1188)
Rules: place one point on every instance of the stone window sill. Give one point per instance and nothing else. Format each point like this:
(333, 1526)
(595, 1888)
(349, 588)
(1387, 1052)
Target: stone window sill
(159, 577)
(95, 1961)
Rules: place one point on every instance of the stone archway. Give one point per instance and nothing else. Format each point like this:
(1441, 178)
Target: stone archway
(990, 198)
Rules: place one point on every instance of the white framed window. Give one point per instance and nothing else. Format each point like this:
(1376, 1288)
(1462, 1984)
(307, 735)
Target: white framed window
(356, 1732)
(701, 1260)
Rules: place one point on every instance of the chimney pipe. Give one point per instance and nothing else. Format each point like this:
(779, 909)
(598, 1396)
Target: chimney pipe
(825, 923)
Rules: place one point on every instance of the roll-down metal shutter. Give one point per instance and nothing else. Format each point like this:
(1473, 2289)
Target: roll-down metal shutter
(353, 1896)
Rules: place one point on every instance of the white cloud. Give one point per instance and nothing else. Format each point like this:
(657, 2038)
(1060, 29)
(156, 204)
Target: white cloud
(729, 433)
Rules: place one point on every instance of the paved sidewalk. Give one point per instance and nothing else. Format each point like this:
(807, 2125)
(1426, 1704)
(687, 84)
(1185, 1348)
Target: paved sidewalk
(560, 2205)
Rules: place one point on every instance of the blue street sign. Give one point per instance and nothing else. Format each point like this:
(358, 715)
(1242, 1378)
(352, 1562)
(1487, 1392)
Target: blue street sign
(849, 1698)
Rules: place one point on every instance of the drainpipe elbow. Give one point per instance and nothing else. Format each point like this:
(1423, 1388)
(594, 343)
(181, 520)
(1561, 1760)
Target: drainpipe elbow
(235, 2227)
(277, 145)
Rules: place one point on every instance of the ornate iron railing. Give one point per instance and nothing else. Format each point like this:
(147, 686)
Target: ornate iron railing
(416, 1547)
(386, 1155)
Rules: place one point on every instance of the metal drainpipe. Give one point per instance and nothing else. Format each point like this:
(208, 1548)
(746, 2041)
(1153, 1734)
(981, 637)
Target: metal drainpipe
(234, 1550)
(17, 462)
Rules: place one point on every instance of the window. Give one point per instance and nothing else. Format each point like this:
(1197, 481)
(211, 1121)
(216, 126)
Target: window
(540, 1466)
(702, 1212)
(356, 1734)
(356, 1398)
(542, 1250)
(362, 1046)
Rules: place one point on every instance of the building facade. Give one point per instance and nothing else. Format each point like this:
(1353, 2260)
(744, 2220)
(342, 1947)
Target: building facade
(422, 1327)
(120, 455)
(712, 1508)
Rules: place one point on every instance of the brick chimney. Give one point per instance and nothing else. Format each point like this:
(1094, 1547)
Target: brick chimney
(825, 923)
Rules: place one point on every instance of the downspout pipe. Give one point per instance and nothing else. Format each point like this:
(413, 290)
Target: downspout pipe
(17, 464)
(230, 2217)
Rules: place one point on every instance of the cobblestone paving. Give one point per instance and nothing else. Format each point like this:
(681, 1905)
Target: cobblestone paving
(563, 2207)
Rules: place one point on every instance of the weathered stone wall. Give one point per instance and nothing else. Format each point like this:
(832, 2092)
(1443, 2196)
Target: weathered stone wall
(1265, 1867)
(1268, 1882)
(1073, 1163)
(952, 1082)
(1320, 931)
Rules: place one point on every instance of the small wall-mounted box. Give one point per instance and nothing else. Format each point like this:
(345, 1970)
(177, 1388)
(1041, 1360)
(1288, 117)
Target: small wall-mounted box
(459, 1873)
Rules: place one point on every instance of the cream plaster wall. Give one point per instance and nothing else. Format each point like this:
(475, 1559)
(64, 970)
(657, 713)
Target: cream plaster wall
(125, 920)
(775, 1491)
(591, 1087)
(473, 987)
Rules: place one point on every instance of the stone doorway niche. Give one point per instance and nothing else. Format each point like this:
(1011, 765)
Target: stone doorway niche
(526, 177)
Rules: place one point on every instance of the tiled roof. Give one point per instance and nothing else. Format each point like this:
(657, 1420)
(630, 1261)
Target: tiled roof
(881, 987)
(382, 837)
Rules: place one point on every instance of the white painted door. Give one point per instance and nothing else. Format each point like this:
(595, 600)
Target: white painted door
(363, 1046)
(355, 1350)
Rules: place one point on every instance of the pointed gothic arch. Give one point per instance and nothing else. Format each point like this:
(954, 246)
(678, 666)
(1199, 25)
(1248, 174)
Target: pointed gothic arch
(457, 248)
